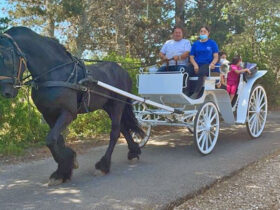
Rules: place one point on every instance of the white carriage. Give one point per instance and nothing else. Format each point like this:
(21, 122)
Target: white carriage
(201, 116)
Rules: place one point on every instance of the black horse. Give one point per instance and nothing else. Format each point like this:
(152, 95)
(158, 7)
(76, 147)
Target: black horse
(58, 95)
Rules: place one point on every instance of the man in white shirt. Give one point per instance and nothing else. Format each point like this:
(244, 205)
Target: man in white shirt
(175, 52)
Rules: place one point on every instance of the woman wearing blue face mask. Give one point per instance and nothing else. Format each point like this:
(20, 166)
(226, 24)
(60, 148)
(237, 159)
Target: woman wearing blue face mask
(204, 54)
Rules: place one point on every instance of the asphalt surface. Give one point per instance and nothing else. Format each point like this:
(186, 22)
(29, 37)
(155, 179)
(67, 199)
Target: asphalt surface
(169, 169)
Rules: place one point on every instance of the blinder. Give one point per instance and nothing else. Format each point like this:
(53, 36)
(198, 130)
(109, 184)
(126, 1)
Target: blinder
(14, 53)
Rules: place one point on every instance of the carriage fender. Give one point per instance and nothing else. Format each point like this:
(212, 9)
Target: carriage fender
(222, 101)
(244, 96)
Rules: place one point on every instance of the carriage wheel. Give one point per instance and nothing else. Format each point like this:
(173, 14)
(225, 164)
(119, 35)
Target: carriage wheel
(138, 108)
(206, 128)
(257, 111)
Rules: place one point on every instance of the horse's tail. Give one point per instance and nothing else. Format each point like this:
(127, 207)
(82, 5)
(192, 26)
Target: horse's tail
(129, 120)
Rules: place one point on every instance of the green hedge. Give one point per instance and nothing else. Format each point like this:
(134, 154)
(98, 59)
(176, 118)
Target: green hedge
(20, 124)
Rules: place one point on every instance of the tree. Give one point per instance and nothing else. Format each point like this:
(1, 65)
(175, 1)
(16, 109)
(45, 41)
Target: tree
(222, 17)
(3, 24)
(180, 12)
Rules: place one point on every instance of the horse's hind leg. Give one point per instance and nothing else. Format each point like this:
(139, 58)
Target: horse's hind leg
(134, 149)
(115, 113)
(64, 156)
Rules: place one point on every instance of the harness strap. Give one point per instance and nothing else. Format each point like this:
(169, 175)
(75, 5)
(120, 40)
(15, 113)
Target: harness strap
(15, 44)
(75, 87)
(60, 84)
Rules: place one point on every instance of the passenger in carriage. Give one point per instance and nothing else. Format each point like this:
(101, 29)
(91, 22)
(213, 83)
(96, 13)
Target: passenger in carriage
(223, 69)
(175, 52)
(203, 55)
(234, 75)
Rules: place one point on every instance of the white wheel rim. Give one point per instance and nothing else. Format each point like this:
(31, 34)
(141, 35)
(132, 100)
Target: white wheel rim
(138, 108)
(207, 128)
(257, 111)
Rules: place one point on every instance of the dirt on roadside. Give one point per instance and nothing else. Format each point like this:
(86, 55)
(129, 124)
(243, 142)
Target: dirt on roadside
(38, 153)
(254, 187)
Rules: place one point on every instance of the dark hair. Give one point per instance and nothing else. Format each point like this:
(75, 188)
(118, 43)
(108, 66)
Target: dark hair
(221, 53)
(206, 27)
(236, 59)
(180, 27)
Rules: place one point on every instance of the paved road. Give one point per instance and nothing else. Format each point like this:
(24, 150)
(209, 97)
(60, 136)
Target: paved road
(170, 168)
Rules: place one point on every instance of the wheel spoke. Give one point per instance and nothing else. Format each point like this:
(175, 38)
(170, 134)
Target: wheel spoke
(252, 117)
(260, 94)
(252, 111)
(211, 111)
(254, 127)
(200, 130)
(261, 117)
(213, 133)
(260, 122)
(214, 116)
(252, 106)
(257, 124)
(200, 138)
(262, 105)
(210, 139)
(203, 141)
(262, 98)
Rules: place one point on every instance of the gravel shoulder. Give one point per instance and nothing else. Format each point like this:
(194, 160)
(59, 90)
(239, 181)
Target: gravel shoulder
(254, 187)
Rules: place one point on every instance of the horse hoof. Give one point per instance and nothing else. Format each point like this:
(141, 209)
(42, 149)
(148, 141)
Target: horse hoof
(55, 182)
(98, 173)
(132, 156)
(75, 164)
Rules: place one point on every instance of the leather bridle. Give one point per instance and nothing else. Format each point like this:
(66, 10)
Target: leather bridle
(17, 72)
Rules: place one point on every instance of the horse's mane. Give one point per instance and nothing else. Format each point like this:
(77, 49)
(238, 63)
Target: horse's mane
(55, 41)
(29, 32)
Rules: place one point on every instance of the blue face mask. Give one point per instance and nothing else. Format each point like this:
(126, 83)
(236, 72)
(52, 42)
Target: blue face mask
(203, 36)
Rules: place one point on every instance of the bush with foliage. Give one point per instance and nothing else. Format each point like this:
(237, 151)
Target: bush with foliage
(20, 124)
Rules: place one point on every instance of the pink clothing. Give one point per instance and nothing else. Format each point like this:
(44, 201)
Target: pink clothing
(233, 78)
(231, 89)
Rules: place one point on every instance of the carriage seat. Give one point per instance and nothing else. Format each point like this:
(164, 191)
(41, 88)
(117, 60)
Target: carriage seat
(168, 87)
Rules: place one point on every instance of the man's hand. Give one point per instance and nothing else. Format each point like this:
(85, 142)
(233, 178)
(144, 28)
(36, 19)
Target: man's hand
(212, 66)
(176, 58)
(196, 68)
(164, 58)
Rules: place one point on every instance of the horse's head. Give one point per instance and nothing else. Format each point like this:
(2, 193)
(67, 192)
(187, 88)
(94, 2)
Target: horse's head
(12, 65)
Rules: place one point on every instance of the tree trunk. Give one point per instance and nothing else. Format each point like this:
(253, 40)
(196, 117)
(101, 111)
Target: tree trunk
(180, 12)
(50, 19)
(120, 30)
(80, 40)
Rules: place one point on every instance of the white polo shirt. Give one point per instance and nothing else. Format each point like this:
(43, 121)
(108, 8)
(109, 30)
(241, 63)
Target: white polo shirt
(172, 48)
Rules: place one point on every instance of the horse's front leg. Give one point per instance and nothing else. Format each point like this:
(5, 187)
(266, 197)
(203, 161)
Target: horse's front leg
(64, 156)
(115, 113)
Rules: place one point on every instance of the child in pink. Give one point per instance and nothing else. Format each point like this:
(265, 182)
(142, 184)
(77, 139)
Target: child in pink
(234, 75)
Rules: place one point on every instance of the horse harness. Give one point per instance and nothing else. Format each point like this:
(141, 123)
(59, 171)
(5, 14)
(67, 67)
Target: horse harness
(22, 62)
(75, 85)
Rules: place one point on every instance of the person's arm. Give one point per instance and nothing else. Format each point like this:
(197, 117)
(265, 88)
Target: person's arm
(214, 61)
(215, 50)
(223, 81)
(193, 62)
(162, 56)
(242, 71)
(182, 56)
(162, 53)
